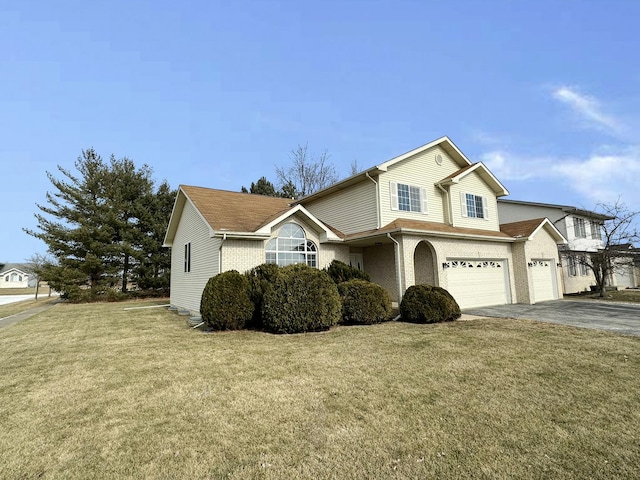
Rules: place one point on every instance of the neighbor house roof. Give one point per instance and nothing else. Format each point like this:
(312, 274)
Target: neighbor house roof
(21, 267)
(527, 229)
(564, 208)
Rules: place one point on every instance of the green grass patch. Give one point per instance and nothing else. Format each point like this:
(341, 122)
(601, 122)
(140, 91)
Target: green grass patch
(96, 391)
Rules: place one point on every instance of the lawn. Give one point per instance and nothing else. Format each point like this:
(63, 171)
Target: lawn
(96, 391)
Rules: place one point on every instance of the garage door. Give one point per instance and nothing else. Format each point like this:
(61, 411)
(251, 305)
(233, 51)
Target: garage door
(478, 283)
(544, 279)
(624, 277)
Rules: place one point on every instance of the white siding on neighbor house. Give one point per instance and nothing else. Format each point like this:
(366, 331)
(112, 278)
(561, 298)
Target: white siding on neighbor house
(510, 212)
(474, 184)
(187, 287)
(582, 244)
(350, 210)
(420, 170)
(14, 279)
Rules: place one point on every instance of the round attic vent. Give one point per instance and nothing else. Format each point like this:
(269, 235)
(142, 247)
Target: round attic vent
(439, 159)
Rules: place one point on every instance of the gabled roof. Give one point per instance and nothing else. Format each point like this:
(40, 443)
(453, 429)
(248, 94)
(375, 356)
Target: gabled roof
(443, 142)
(527, 229)
(236, 213)
(564, 208)
(484, 173)
(24, 268)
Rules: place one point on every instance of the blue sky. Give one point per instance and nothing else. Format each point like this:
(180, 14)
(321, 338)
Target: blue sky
(215, 94)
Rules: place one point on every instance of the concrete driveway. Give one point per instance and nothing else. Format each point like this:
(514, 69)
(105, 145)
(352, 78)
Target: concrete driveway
(614, 317)
(6, 299)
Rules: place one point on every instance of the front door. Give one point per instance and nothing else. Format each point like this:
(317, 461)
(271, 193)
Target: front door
(356, 260)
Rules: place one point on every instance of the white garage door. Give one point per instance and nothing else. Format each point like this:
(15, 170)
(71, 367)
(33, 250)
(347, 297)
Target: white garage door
(624, 277)
(478, 283)
(544, 280)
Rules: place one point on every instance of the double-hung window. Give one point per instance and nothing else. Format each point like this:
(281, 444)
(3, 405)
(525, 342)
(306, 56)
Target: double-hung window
(474, 206)
(579, 229)
(595, 231)
(408, 198)
(583, 266)
(572, 266)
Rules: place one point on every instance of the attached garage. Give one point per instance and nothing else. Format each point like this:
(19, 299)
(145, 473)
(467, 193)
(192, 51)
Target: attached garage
(544, 277)
(478, 283)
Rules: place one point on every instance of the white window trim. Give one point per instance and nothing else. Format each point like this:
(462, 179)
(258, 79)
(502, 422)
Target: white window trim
(463, 206)
(394, 197)
(310, 255)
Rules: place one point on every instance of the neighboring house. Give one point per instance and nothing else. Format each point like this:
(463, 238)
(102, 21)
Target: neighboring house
(582, 229)
(16, 275)
(427, 216)
(626, 273)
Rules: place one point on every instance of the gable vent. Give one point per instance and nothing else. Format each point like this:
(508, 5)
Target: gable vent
(439, 159)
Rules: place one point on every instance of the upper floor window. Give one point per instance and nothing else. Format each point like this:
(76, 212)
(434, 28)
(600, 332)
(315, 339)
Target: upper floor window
(291, 246)
(408, 198)
(579, 228)
(474, 206)
(595, 231)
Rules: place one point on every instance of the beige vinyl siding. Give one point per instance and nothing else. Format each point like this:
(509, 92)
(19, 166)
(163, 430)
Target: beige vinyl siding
(186, 288)
(474, 184)
(420, 170)
(350, 210)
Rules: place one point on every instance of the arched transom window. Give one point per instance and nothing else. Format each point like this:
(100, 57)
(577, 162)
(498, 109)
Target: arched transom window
(291, 246)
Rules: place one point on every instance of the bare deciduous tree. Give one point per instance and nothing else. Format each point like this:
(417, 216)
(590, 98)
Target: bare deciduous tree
(618, 232)
(307, 173)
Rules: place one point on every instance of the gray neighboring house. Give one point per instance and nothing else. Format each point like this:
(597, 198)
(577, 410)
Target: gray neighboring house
(583, 231)
(16, 275)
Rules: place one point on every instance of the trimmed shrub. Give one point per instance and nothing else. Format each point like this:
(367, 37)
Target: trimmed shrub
(341, 272)
(225, 302)
(303, 299)
(364, 303)
(261, 279)
(428, 304)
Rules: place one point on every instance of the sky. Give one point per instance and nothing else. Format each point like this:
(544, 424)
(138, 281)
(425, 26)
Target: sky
(217, 93)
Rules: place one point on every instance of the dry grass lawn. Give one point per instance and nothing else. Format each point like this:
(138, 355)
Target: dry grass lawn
(96, 391)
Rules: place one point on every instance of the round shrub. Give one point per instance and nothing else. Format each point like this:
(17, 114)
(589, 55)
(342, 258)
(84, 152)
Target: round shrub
(428, 304)
(303, 299)
(341, 272)
(225, 302)
(261, 279)
(364, 303)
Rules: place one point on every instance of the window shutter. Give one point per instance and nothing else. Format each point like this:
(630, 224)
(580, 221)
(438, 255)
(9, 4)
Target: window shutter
(393, 192)
(423, 200)
(485, 208)
(463, 204)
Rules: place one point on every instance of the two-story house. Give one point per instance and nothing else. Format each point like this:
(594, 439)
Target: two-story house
(427, 216)
(582, 229)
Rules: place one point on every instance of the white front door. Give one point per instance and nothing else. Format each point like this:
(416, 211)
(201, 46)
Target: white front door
(356, 260)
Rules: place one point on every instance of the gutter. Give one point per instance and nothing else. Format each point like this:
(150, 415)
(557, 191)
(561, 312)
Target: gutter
(224, 237)
(377, 200)
(447, 194)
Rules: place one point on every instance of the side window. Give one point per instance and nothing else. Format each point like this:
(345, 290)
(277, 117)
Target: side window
(595, 231)
(474, 206)
(572, 266)
(408, 198)
(187, 257)
(578, 227)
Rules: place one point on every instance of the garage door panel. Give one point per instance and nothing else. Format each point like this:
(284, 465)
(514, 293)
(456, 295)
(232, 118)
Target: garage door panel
(544, 286)
(476, 283)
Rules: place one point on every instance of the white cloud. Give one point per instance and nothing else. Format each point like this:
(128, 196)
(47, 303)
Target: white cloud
(588, 108)
(507, 166)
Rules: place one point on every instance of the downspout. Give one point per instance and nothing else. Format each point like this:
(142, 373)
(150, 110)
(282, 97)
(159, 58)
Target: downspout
(449, 211)
(377, 200)
(399, 263)
(224, 237)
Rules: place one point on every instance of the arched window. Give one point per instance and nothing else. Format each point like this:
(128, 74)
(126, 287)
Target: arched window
(291, 246)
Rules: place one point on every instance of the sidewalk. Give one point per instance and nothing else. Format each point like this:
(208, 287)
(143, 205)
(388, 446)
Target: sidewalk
(10, 320)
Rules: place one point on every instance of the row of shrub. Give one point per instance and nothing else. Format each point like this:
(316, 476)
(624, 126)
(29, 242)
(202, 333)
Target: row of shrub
(298, 298)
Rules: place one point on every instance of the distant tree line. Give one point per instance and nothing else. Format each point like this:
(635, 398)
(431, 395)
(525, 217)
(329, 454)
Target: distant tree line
(104, 227)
